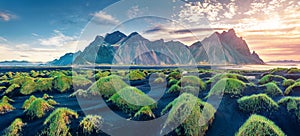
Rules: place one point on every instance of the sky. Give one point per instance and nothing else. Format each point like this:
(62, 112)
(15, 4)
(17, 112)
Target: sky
(40, 31)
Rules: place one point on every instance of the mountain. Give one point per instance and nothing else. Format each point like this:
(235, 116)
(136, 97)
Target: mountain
(119, 49)
(65, 60)
(284, 61)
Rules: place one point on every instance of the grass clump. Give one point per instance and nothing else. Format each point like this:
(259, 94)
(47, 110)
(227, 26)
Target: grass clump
(175, 75)
(11, 88)
(131, 99)
(192, 81)
(288, 82)
(44, 84)
(52, 102)
(91, 125)
(5, 106)
(172, 82)
(272, 89)
(27, 103)
(57, 122)
(292, 104)
(293, 71)
(174, 88)
(293, 88)
(194, 115)
(46, 96)
(159, 80)
(15, 128)
(271, 78)
(259, 126)
(28, 87)
(145, 113)
(38, 108)
(136, 75)
(228, 86)
(257, 103)
(79, 81)
(62, 83)
(107, 86)
(218, 77)
(101, 74)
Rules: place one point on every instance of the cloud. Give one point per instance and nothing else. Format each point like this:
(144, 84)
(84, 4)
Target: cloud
(6, 16)
(103, 18)
(134, 12)
(2, 40)
(58, 39)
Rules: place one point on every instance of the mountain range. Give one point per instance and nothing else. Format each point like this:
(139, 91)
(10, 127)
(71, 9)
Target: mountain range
(119, 49)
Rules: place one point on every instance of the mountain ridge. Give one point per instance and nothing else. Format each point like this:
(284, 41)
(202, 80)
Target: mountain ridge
(118, 49)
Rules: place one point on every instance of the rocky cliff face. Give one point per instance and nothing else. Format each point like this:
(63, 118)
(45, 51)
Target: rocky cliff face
(119, 49)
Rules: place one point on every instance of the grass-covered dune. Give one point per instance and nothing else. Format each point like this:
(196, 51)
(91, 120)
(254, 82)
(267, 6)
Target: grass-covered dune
(294, 88)
(15, 129)
(56, 124)
(271, 78)
(107, 86)
(292, 104)
(191, 114)
(271, 89)
(228, 86)
(258, 125)
(38, 108)
(218, 77)
(90, 125)
(136, 75)
(5, 105)
(131, 99)
(257, 103)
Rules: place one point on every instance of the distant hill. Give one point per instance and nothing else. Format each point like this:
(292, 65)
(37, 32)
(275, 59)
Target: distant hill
(284, 61)
(117, 48)
(19, 63)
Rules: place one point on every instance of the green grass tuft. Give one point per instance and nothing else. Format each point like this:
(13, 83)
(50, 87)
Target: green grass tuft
(258, 125)
(79, 81)
(46, 96)
(228, 86)
(175, 75)
(107, 86)
(194, 115)
(91, 125)
(57, 122)
(144, 113)
(271, 78)
(12, 88)
(159, 80)
(131, 99)
(101, 74)
(292, 104)
(6, 99)
(293, 88)
(38, 108)
(44, 84)
(28, 102)
(272, 89)
(5, 106)
(192, 81)
(288, 82)
(62, 83)
(172, 82)
(257, 103)
(174, 89)
(136, 75)
(218, 77)
(52, 102)
(15, 128)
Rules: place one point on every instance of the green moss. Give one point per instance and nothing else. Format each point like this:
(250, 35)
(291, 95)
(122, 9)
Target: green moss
(46, 96)
(258, 125)
(28, 102)
(228, 86)
(38, 108)
(62, 83)
(57, 122)
(175, 75)
(144, 113)
(288, 82)
(101, 74)
(91, 125)
(80, 93)
(293, 88)
(258, 103)
(272, 89)
(271, 78)
(81, 81)
(15, 128)
(12, 88)
(20, 80)
(107, 86)
(218, 77)
(6, 99)
(292, 104)
(279, 70)
(194, 115)
(131, 99)
(172, 82)
(44, 84)
(293, 71)
(5, 106)
(174, 88)
(28, 87)
(135, 75)
(192, 81)
(159, 80)
(52, 102)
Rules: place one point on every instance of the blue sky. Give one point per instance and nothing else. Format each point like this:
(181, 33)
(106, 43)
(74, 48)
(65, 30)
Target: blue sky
(40, 30)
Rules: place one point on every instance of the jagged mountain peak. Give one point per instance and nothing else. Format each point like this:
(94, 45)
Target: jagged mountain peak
(115, 37)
